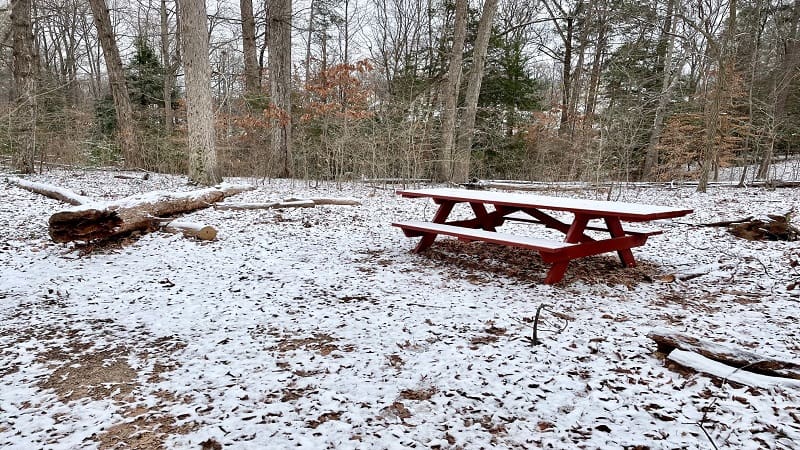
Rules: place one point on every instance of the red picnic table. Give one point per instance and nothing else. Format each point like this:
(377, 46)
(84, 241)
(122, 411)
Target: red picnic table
(576, 244)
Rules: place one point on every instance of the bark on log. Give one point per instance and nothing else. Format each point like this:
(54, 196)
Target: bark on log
(144, 212)
(191, 229)
(48, 190)
(734, 357)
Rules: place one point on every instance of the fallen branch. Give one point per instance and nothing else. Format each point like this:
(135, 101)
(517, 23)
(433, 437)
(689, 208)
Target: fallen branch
(326, 201)
(48, 190)
(700, 363)
(725, 223)
(774, 228)
(271, 205)
(535, 187)
(395, 180)
(737, 358)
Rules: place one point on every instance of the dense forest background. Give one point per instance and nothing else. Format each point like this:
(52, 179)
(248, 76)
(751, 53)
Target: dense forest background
(448, 90)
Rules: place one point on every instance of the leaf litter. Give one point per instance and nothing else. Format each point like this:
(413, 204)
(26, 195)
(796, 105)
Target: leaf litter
(336, 336)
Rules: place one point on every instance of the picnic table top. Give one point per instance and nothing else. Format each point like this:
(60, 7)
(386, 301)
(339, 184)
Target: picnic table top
(634, 212)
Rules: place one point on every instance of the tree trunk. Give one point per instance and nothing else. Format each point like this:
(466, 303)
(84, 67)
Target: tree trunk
(23, 86)
(166, 61)
(713, 107)
(312, 9)
(464, 145)
(780, 83)
(603, 28)
(446, 164)
(199, 107)
(280, 69)
(144, 213)
(252, 79)
(668, 83)
(126, 132)
(577, 76)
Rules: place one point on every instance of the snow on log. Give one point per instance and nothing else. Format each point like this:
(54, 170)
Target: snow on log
(326, 201)
(48, 190)
(143, 212)
(191, 229)
(233, 189)
(270, 205)
(700, 363)
(668, 341)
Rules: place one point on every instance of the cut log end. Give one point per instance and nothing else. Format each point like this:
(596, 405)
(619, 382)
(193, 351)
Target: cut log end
(193, 230)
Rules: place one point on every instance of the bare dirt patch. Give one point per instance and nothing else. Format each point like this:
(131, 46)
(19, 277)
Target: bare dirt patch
(96, 375)
(147, 431)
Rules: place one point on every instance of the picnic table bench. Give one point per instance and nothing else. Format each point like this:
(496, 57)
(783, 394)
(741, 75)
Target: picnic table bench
(508, 206)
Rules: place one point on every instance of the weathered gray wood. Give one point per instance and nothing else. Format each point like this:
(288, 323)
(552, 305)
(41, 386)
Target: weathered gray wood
(738, 358)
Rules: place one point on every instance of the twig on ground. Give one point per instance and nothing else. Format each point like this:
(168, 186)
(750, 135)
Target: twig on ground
(544, 306)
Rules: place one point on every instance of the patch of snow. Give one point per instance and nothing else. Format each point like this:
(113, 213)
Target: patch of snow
(317, 328)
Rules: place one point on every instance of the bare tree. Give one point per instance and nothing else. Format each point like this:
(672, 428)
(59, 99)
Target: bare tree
(280, 71)
(719, 95)
(668, 83)
(450, 94)
(462, 157)
(170, 62)
(784, 75)
(199, 105)
(252, 74)
(566, 31)
(24, 85)
(126, 132)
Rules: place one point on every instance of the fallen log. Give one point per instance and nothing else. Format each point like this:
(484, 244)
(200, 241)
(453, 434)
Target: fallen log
(191, 229)
(702, 364)
(270, 205)
(144, 212)
(667, 342)
(48, 190)
(326, 201)
(725, 223)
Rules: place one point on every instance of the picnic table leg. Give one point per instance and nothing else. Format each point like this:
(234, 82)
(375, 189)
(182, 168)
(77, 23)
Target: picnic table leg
(615, 228)
(445, 207)
(574, 235)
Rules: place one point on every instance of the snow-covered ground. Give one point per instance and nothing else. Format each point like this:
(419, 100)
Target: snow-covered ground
(317, 328)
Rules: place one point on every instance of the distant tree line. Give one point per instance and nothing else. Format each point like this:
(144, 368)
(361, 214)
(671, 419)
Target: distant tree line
(440, 89)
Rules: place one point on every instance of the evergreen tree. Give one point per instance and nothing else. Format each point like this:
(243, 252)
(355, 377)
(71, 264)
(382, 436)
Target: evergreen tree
(145, 75)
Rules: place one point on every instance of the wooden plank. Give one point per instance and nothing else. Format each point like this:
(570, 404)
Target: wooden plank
(428, 228)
